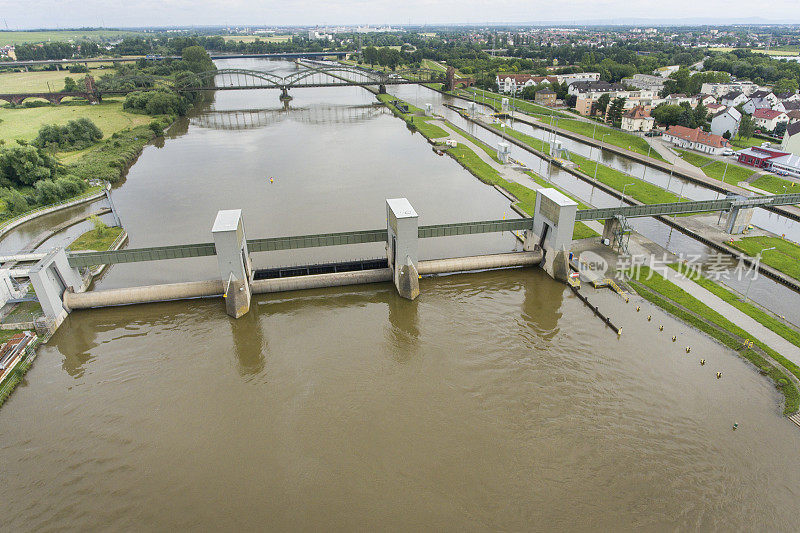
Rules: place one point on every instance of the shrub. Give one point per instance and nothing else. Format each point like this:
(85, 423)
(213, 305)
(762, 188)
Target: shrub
(76, 134)
(156, 127)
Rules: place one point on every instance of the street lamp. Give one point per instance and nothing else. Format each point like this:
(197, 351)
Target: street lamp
(758, 257)
(623, 193)
(599, 155)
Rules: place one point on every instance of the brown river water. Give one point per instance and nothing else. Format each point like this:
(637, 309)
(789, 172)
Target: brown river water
(495, 401)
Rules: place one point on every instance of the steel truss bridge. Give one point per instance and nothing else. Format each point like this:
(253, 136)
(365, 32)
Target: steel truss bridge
(85, 259)
(234, 79)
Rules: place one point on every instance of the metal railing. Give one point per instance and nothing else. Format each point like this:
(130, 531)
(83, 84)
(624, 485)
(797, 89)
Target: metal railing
(180, 251)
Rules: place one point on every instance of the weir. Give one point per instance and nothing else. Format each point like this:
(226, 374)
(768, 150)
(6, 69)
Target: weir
(238, 281)
(547, 240)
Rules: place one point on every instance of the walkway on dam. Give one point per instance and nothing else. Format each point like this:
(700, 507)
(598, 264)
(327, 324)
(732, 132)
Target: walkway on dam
(747, 323)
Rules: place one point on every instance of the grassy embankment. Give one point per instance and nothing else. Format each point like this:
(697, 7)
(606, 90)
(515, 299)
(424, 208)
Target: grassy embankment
(639, 190)
(618, 138)
(415, 117)
(525, 195)
(785, 257)
(716, 169)
(753, 311)
(687, 308)
(96, 241)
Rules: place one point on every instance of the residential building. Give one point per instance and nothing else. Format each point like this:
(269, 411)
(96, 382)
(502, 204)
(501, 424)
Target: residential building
(768, 119)
(726, 120)
(791, 139)
(678, 99)
(646, 81)
(794, 116)
(788, 97)
(637, 119)
(695, 139)
(791, 105)
(787, 165)
(713, 109)
(705, 99)
(733, 98)
(720, 89)
(515, 83)
(546, 97)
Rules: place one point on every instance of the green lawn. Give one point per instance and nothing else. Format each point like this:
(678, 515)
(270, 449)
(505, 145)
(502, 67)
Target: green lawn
(618, 138)
(42, 81)
(22, 37)
(695, 158)
(644, 192)
(759, 315)
(689, 309)
(94, 242)
(775, 185)
(434, 65)
(24, 123)
(746, 143)
(786, 256)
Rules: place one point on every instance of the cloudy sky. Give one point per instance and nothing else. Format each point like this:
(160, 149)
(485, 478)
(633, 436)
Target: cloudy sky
(26, 14)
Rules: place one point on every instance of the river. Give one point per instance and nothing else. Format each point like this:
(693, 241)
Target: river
(494, 401)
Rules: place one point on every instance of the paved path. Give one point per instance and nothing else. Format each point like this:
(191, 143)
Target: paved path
(750, 325)
(672, 158)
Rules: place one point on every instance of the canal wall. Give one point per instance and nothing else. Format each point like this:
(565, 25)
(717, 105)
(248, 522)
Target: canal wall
(768, 271)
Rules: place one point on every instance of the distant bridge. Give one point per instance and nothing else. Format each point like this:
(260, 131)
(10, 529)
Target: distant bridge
(235, 79)
(279, 55)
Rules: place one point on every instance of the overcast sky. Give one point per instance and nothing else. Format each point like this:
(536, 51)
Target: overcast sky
(25, 14)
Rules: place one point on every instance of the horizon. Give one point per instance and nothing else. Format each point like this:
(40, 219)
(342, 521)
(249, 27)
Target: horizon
(149, 14)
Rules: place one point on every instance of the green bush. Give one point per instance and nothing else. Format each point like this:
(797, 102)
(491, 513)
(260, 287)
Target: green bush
(159, 102)
(75, 135)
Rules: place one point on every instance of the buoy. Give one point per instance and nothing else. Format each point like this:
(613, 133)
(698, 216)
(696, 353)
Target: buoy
(702, 362)
(649, 318)
(271, 180)
(637, 308)
(660, 328)
(735, 425)
(688, 349)
(674, 338)
(719, 375)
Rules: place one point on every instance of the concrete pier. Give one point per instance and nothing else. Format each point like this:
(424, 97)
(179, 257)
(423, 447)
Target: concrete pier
(234, 261)
(52, 278)
(553, 224)
(402, 249)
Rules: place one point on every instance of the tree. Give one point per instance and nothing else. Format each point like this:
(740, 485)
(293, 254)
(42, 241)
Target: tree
(746, 127)
(780, 129)
(69, 85)
(25, 165)
(601, 105)
(726, 135)
(370, 55)
(529, 92)
(615, 110)
(198, 59)
(785, 85)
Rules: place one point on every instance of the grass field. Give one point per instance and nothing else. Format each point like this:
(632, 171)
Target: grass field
(689, 309)
(108, 116)
(91, 241)
(21, 37)
(785, 257)
(746, 143)
(45, 81)
(433, 65)
(716, 169)
(779, 51)
(775, 185)
(495, 100)
(618, 138)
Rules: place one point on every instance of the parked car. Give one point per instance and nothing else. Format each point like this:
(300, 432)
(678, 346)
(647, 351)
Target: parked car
(727, 151)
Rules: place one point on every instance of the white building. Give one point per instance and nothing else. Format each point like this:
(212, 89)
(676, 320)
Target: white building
(768, 119)
(726, 120)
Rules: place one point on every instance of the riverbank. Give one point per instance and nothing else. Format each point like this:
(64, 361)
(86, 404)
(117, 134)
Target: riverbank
(658, 290)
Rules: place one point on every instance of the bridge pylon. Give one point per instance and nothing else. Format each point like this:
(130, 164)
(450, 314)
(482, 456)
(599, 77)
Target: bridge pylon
(234, 261)
(403, 235)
